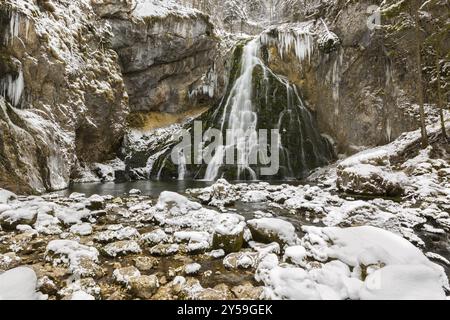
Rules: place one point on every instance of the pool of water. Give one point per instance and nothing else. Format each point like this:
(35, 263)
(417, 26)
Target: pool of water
(147, 187)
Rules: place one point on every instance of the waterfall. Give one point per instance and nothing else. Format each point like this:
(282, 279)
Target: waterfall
(257, 102)
(242, 118)
(261, 99)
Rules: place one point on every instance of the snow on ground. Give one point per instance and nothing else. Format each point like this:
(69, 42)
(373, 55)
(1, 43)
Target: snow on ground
(162, 8)
(19, 284)
(353, 263)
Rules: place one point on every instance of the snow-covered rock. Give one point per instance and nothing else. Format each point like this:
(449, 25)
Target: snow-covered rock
(269, 230)
(229, 233)
(9, 219)
(367, 179)
(19, 284)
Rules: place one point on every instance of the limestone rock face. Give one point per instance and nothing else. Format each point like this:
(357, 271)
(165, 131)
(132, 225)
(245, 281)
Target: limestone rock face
(361, 91)
(164, 59)
(65, 102)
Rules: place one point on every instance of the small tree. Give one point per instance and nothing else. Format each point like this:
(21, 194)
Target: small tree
(415, 7)
(435, 43)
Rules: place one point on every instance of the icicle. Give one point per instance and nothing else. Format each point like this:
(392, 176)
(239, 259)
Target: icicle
(12, 89)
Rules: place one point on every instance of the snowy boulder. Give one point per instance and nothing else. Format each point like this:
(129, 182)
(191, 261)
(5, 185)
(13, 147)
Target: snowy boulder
(19, 284)
(82, 229)
(10, 219)
(155, 237)
(366, 179)
(144, 287)
(6, 196)
(197, 241)
(376, 255)
(124, 275)
(268, 230)
(8, 261)
(403, 282)
(117, 233)
(255, 196)
(220, 194)
(176, 204)
(229, 233)
(121, 248)
(164, 250)
(95, 202)
(79, 258)
(192, 269)
(295, 255)
(241, 260)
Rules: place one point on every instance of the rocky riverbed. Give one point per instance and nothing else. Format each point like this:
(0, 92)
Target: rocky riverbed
(240, 241)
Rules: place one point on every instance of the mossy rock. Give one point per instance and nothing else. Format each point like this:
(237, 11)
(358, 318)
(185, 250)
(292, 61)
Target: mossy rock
(228, 243)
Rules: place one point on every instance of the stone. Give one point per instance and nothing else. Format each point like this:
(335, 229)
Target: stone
(241, 260)
(145, 263)
(124, 275)
(8, 261)
(366, 179)
(144, 287)
(96, 202)
(247, 291)
(10, 219)
(268, 230)
(164, 250)
(121, 248)
(229, 233)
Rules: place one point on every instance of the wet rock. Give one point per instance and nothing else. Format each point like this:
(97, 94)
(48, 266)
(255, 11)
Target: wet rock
(155, 237)
(8, 261)
(366, 179)
(124, 275)
(144, 287)
(145, 263)
(229, 233)
(268, 230)
(117, 233)
(96, 202)
(87, 285)
(219, 292)
(135, 192)
(241, 260)
(247, 291)
(121, 248)
(47, 286)
(164, 250)
(10, 219)
(82, 229)
(80, 259)
(193, 268)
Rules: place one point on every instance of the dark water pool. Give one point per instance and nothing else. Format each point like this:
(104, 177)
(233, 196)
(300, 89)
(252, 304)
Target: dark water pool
(148, 187)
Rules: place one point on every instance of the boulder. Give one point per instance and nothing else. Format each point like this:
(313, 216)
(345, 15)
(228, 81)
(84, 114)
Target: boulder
(367, 179)
(10, 219)
(268, 230)
(144, 287)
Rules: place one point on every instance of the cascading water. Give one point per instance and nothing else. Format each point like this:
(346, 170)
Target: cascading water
(256, 99)
(240, 117)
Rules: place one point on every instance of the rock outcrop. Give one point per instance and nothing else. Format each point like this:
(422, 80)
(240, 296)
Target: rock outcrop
(167, 58)
(362, 85)
(65, 98)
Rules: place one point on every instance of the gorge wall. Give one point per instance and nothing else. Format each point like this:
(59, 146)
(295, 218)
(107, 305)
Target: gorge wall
(76, 77)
